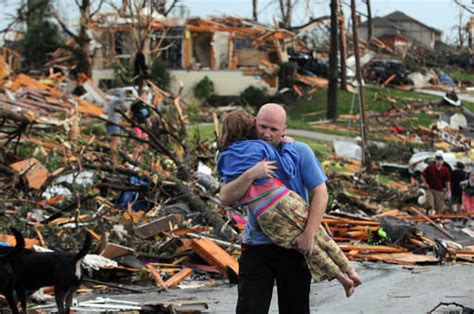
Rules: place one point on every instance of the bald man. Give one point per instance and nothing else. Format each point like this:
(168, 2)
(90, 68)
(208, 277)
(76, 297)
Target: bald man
(263, 262)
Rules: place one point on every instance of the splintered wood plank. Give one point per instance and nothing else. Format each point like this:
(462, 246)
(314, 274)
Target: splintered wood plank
(398, 186)
(177, 278)
(429, 220)
(197, 229)
(399, 258)
(372, 248)
(60, 221)
(113, 250)
(88, 108)
(215, 255)
(28, 81)
(156, 275)
(156, 226)
(9, 239)
(35, 173)
(331, 221)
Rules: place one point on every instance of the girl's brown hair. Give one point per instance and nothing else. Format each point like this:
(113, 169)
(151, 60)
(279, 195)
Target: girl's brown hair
(236, 126)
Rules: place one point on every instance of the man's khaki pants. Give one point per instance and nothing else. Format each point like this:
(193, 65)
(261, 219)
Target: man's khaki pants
(435, 200)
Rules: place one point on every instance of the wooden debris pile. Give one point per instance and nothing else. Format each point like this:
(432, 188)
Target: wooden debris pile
(380, 220)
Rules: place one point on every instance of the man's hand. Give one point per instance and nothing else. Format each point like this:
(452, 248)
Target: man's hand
(262, 169)
(304, 243)
(288, 139)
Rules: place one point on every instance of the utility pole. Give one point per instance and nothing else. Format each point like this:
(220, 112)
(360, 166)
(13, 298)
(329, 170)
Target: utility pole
(369, 21)
(363, 127)
(331, 112)
(254, 10)
(470, 30)
(342, 47)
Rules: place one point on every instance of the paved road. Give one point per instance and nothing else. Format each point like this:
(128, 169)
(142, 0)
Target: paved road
(386, 289)
(463, 96)
(319, 136)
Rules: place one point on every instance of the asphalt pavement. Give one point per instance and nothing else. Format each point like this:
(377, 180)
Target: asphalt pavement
(386, 288)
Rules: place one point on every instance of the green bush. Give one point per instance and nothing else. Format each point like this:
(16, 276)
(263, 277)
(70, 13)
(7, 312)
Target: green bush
(204, 89)
(160, 74)
(254, 96)
(192, 111)
(218, 100)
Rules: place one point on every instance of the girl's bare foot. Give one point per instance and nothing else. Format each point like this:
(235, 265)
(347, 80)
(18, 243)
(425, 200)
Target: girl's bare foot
(355, 277)
(347, 283)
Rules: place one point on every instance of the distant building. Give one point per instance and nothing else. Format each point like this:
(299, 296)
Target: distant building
(399, 30)
(234, 53)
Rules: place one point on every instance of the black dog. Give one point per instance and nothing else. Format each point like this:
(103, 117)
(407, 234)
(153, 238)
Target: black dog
(38, 269)
(7, 276)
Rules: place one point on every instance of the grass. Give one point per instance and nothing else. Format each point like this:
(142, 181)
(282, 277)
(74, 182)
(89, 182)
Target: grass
(206, 131)
(383, 179)
(461, 75)
(375, 99)
(321, 148)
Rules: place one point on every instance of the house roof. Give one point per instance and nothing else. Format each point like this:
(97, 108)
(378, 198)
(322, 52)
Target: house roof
(398, 16)
(382, 22)
(394, 36)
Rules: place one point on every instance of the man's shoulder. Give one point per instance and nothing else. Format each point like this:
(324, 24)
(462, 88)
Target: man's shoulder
(302, 147)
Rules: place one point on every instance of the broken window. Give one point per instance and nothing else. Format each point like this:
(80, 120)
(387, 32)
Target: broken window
(169, 48)
(242, 43)
(201, 55)
(119, 43)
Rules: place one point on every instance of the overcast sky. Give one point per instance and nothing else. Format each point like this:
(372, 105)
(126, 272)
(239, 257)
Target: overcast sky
(441, 14)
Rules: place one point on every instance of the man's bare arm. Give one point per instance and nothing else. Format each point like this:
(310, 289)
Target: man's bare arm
(233, 191)
(317, 209)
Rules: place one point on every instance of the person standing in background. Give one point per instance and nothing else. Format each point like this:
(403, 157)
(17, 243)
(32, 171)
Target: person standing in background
(457, 176)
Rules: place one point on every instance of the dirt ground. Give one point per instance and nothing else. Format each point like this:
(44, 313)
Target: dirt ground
(386, 289)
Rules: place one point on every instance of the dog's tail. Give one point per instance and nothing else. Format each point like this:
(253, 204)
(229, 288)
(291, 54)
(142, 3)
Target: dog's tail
(20, 244)
(85, 248)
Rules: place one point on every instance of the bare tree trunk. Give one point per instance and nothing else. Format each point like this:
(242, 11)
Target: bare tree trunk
(369, 21)
(342, 48)
(363, 127)
(469, 28)
(289, 11)
(460, 29)
(332, 87)
(124, 7)
(255, 10)
(286, 9)
(84, 40)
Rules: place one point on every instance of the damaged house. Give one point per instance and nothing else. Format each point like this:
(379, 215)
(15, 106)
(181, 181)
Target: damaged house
(233, 53)
(398, 30)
